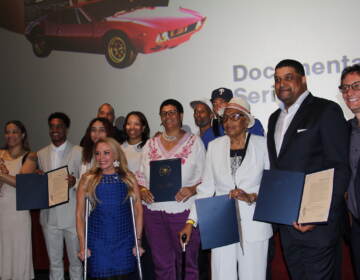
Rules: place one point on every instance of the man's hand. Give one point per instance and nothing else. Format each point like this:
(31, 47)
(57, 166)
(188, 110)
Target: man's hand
(71, 180)
(302, 228)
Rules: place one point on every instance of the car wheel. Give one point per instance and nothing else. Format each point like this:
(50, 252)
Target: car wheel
(41, 47)
(118, 50)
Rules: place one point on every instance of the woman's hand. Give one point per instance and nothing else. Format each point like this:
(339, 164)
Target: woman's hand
(146, 195)
(240, 194)
(185, 193)
(141, 251)
(81, 254)
(3, 169)
(187, 230)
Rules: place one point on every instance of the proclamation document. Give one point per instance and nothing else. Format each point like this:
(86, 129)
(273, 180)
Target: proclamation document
(58, 186)
(316, 198)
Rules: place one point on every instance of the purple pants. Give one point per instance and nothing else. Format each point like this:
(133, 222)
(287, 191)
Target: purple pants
(162, 232)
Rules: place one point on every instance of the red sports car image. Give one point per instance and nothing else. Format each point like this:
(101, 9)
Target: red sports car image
(119, 32)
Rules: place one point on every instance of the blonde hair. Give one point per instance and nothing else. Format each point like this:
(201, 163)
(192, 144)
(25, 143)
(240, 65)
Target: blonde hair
(95, 174)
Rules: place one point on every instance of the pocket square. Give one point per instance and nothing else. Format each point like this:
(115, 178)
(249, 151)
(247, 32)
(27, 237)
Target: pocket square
(301, 130)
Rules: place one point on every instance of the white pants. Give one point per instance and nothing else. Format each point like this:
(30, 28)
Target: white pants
(54, 239)
(252, 264)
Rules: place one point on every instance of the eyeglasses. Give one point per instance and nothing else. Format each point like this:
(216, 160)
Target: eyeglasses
(233, 117)
(354, 86)
(171, 113)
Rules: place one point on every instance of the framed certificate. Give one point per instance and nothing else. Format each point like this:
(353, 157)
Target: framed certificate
(34, 191)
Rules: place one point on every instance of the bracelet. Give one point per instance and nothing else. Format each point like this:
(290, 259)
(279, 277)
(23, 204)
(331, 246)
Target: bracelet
(190, 221)
(143, 189)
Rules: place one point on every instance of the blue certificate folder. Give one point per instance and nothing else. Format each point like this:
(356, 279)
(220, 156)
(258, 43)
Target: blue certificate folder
(32, 191)
(279, 197)
(165, 179)
(217, 221)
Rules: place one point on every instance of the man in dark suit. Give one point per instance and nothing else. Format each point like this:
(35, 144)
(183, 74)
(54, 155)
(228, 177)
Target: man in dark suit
(309, 134)
(350, 89)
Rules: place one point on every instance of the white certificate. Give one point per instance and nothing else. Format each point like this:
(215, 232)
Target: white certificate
(316, 198)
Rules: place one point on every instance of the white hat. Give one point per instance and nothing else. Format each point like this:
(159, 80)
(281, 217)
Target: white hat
(204, 101)
(242, 105)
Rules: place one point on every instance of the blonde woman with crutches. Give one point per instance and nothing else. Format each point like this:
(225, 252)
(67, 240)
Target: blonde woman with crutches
(111, 188)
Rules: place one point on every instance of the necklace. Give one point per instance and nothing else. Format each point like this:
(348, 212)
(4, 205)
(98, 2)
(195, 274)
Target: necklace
(168, 137)
(16, 155)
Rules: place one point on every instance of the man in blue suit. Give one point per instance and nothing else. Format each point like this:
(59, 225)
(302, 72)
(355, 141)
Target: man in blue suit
(309, 134)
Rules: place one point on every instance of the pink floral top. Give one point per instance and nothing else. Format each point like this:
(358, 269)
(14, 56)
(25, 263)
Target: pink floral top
(192, 153)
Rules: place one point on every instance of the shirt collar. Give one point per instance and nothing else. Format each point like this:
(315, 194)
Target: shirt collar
(354, 123)
(59, 148)
(297, 103)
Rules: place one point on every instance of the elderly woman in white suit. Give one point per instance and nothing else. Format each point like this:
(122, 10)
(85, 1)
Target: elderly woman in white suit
(234, 166)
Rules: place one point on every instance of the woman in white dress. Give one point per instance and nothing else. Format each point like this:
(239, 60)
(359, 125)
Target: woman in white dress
(98, 128)
(15, 226)
(234, 166)
(137, 132)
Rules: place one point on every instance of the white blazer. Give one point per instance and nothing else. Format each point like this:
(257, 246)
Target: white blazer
(218, 180)
(61, 216)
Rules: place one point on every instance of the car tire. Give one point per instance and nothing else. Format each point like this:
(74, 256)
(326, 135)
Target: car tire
(41, 47)
(118, 51)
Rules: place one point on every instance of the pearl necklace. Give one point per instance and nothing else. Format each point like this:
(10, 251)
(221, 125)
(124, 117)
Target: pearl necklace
(169, 138)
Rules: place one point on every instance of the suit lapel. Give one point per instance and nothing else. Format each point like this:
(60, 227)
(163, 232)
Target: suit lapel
(226, 152)
(48, 161)
(271, 134)
(292, 129)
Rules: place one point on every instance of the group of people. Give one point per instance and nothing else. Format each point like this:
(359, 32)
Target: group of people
(226, 156)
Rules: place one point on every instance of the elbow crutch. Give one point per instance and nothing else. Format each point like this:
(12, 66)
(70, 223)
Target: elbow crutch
(87, 208)
(136, 240)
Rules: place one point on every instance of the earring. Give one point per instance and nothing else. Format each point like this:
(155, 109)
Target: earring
(116, 163)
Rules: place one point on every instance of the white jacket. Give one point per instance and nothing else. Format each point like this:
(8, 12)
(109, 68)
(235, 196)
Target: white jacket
(218, 180)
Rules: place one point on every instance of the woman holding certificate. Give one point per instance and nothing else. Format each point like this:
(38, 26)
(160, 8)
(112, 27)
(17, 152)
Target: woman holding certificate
(15, 226)
(163, 220)
(234, 166)
(111, 239)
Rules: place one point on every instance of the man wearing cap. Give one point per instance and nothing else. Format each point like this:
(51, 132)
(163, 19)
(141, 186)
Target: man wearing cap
(309, 134)
(203, 117)
(350, 89)
(220, 98)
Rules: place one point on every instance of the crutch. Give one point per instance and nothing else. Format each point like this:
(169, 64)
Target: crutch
(87, 208)
(136, 240)
(183, 257)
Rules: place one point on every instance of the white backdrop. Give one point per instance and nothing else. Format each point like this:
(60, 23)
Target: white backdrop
(238, 47)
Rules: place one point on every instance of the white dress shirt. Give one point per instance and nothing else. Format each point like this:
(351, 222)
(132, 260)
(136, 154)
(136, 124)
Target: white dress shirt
(285, 118)
(57, 154)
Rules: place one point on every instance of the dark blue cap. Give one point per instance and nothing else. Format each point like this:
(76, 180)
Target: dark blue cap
(223, 93)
